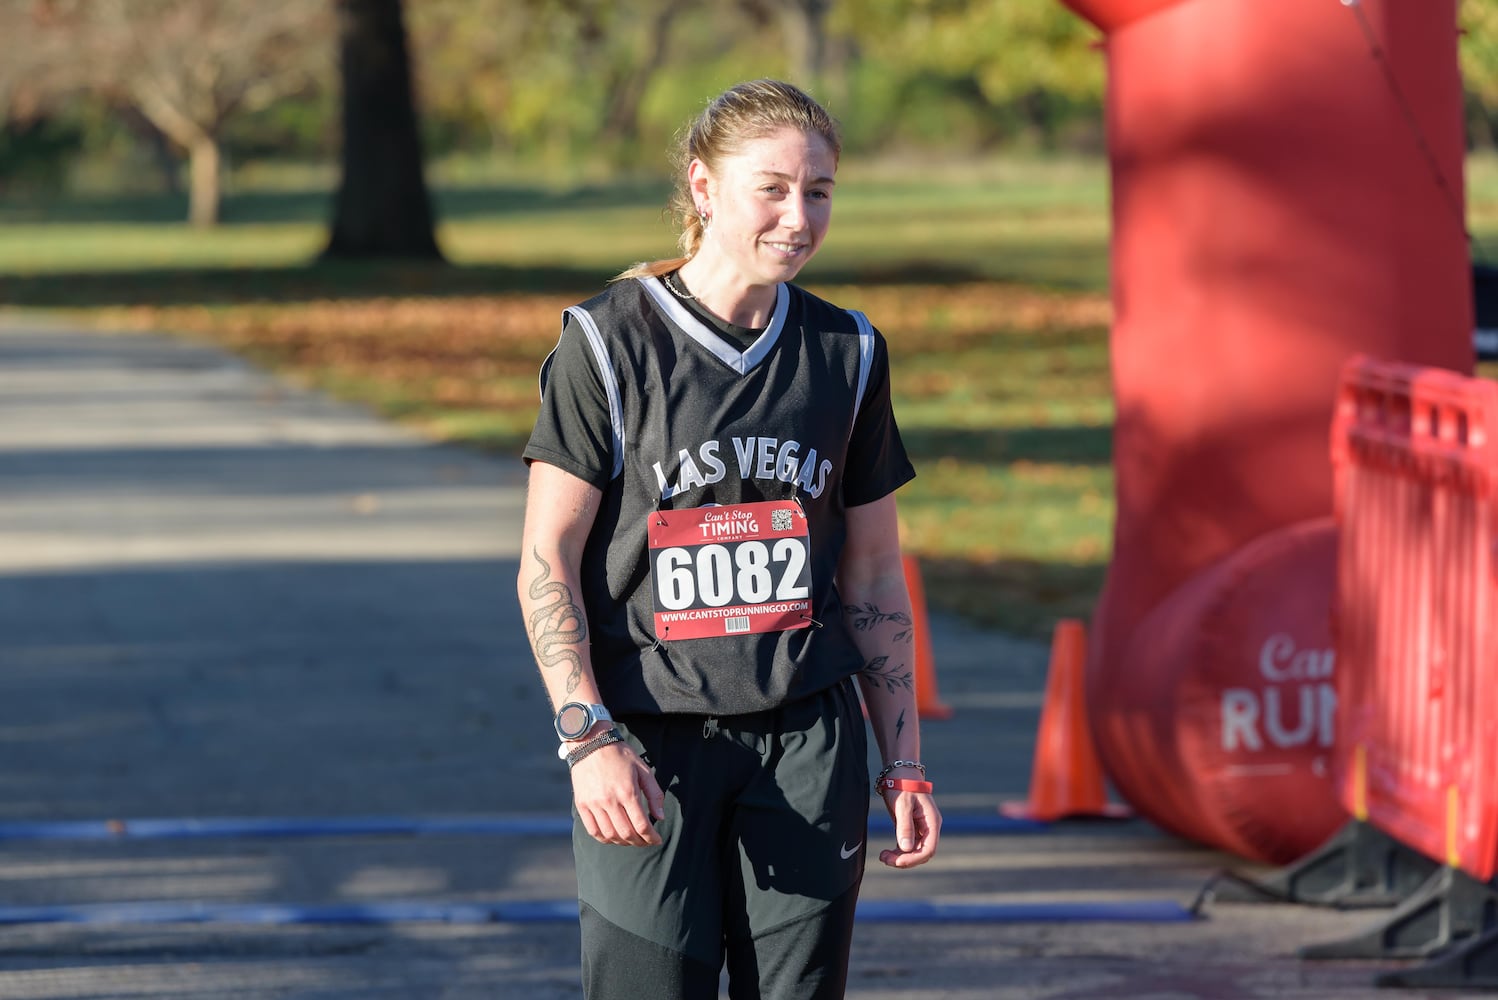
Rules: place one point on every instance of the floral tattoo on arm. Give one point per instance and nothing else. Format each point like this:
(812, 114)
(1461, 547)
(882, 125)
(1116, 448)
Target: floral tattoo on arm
(867, 617)
(557, 625)
(894, 677)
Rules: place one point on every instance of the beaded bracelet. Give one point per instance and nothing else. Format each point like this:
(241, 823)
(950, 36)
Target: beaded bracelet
(596, 743)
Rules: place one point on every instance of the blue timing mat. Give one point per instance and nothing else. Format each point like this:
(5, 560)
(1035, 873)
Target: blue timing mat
(561, 911)
(403, 826)
(231, 827)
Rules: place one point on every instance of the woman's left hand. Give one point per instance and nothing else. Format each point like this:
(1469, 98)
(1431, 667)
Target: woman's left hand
(917, 828)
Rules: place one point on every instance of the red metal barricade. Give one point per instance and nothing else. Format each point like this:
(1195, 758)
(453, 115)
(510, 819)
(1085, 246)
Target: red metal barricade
(1415, 454)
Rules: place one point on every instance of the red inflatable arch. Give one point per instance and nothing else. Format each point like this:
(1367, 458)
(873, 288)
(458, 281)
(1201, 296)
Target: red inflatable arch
(1287, 190)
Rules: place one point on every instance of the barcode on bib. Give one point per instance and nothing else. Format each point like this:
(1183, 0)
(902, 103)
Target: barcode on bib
(781, 520)
(738, 623)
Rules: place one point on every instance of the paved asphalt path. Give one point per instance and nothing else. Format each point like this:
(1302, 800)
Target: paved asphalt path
(222, 596)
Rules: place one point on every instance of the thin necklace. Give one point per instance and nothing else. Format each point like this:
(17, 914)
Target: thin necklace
(679, 291)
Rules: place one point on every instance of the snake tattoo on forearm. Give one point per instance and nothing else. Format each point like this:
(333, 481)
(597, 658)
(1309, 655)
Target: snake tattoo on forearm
(557, 625)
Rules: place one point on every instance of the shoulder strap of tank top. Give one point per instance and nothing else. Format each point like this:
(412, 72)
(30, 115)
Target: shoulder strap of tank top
(600, 348)
(865, 360)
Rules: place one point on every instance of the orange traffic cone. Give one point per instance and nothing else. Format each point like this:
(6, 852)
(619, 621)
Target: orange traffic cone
(928, 704)
(1066, 779)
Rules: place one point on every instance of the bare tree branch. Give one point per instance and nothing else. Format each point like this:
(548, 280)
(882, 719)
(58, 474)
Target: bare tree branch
(187, 65)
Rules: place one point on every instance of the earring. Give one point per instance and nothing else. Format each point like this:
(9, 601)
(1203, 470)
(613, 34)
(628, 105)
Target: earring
(705, 219)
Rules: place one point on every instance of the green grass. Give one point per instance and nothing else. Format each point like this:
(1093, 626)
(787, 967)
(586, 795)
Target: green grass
(1024, 223)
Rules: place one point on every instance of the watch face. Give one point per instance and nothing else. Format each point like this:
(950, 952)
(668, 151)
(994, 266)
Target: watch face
(573, 719)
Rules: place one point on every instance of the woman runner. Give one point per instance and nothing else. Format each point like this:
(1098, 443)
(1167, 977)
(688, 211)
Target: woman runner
(710, 574)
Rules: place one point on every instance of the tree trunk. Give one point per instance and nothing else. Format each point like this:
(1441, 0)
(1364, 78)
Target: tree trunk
(205, 194)
(622, 117)
(803, 26)
(167, 162)
(200, 140)
(1482, 127)
(382, 208)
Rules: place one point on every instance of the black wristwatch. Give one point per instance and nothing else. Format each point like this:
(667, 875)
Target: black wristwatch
(574, 719)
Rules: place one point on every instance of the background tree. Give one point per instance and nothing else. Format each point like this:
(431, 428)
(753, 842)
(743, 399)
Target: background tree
(561, 90)
(562, 82)
(30, 96)
(629, 78)
(803, 29)
(23, 95)
(382, 208)
(1479, 59)
(986, 72)
(187, 66)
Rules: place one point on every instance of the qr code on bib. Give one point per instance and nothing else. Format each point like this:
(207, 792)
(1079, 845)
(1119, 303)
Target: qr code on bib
(781, 520)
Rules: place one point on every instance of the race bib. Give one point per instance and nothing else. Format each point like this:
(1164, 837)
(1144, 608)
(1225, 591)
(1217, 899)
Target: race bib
(730, 570)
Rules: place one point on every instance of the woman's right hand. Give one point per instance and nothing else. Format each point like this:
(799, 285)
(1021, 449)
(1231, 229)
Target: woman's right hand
(607, 787)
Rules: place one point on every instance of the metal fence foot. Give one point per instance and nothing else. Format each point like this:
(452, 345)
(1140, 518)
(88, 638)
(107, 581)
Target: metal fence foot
(1472, 963)
(1359, 867)
(1449, 908)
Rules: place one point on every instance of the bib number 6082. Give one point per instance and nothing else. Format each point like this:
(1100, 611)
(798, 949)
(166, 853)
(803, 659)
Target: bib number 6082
(749, 572)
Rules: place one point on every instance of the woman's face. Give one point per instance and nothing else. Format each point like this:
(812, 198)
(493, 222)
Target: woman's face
(770, 204)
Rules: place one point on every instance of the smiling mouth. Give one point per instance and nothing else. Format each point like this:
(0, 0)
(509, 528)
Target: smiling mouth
(786, 247)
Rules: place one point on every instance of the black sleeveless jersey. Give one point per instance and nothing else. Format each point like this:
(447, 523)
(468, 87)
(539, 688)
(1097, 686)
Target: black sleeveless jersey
(660, 412)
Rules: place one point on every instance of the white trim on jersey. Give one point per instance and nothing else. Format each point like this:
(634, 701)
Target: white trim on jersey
(865, 360)
(610, 383)
(740, 362)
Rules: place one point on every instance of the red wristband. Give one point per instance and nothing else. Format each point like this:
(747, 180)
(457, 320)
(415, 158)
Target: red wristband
(904, 785)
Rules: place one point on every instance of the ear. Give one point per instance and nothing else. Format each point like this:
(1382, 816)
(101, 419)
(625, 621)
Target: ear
(699, 183)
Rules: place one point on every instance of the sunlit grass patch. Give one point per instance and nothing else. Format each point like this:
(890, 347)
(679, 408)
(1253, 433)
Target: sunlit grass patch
(1023, 509)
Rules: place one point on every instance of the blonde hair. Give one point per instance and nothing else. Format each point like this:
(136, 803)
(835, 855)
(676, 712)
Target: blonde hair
(739, 115)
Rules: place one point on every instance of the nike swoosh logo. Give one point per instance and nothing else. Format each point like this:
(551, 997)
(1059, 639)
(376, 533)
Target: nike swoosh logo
(848, 852)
